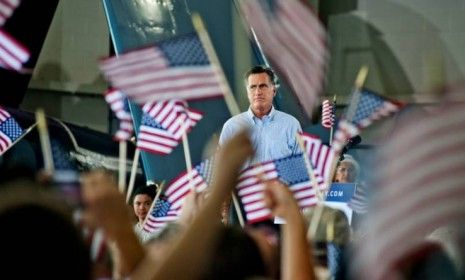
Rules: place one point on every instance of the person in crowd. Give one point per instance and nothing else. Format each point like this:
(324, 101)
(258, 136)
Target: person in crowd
(199, 249)
(347, 170)
(39, 238)
(141, 202)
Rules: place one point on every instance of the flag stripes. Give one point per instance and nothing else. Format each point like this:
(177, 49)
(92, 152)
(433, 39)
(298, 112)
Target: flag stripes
(12, 53)
(174, 69)
(420, 188)
(295, 43)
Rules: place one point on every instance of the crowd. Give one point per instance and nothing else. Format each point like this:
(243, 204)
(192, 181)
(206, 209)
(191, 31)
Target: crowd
(395, 235)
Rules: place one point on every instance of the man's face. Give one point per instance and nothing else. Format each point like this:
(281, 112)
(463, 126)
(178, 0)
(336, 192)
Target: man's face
(260, 91)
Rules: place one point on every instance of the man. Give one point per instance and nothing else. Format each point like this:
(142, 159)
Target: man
(273, 133)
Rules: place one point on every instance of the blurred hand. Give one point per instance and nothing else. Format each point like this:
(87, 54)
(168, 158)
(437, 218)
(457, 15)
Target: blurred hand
(191, 206)
(280, 199)
(105, 206)
(235, 152)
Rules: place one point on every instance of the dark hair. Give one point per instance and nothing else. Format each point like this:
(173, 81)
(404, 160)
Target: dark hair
(150, 191)
(261, 69)
(37, 225)
(236, 256)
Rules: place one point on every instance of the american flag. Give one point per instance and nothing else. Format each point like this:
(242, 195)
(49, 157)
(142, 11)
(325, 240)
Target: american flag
(420, 188)
(7, 8)
(9, 130)
(167, 209)
(365, 107)
(359, 202)
(295, 43)
(161, 129)
(321, 157)
(174, 69)
(154, 138)
(120, 107)
(290, 170)
(173, 115)
(12, 53)
(328, 116)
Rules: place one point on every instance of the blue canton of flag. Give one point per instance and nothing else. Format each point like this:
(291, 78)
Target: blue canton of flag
(205, 169)
(185, 51)
(368, 104)
(9, 132)
(161, 208)
(292, 170)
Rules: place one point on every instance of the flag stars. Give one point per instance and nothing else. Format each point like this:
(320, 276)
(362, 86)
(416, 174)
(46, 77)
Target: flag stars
(187, 51)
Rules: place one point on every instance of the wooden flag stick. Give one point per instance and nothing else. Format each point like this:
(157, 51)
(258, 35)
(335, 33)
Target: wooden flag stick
(132, 179)
(45, 141)
(237, 207)
(209, 49)
(157, 196)
(122, 166)
(359, 81)
(309, 168)
(227, 92)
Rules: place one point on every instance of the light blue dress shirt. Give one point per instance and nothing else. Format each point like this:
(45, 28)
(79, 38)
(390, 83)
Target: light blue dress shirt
(273, 136)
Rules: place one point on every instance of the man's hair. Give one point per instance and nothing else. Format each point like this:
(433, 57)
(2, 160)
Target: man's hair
(261, 69)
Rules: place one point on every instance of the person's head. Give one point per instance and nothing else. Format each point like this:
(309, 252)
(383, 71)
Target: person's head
(142, 200)
(236, 256)
(38, 229)
(347, 170)
(261, 89)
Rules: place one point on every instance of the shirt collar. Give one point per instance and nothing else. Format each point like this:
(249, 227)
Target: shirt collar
(270, 115)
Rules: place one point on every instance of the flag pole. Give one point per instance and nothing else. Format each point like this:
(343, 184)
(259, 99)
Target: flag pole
(209, 49)
(187, 158)
(227, 92)
(29, 129)
(122, 165)
(359, 81)
(44, 141)
(309, 168)
(157, 196)
(132, 179)
(331, 131)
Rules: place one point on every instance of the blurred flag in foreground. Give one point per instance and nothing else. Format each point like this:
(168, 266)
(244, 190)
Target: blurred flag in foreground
(174, 69)
(120, 107)
(7, 8)
(365, 107)
(9, 130)
(420, 188)
(290, 170)
(13, 54)
(295, 42)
